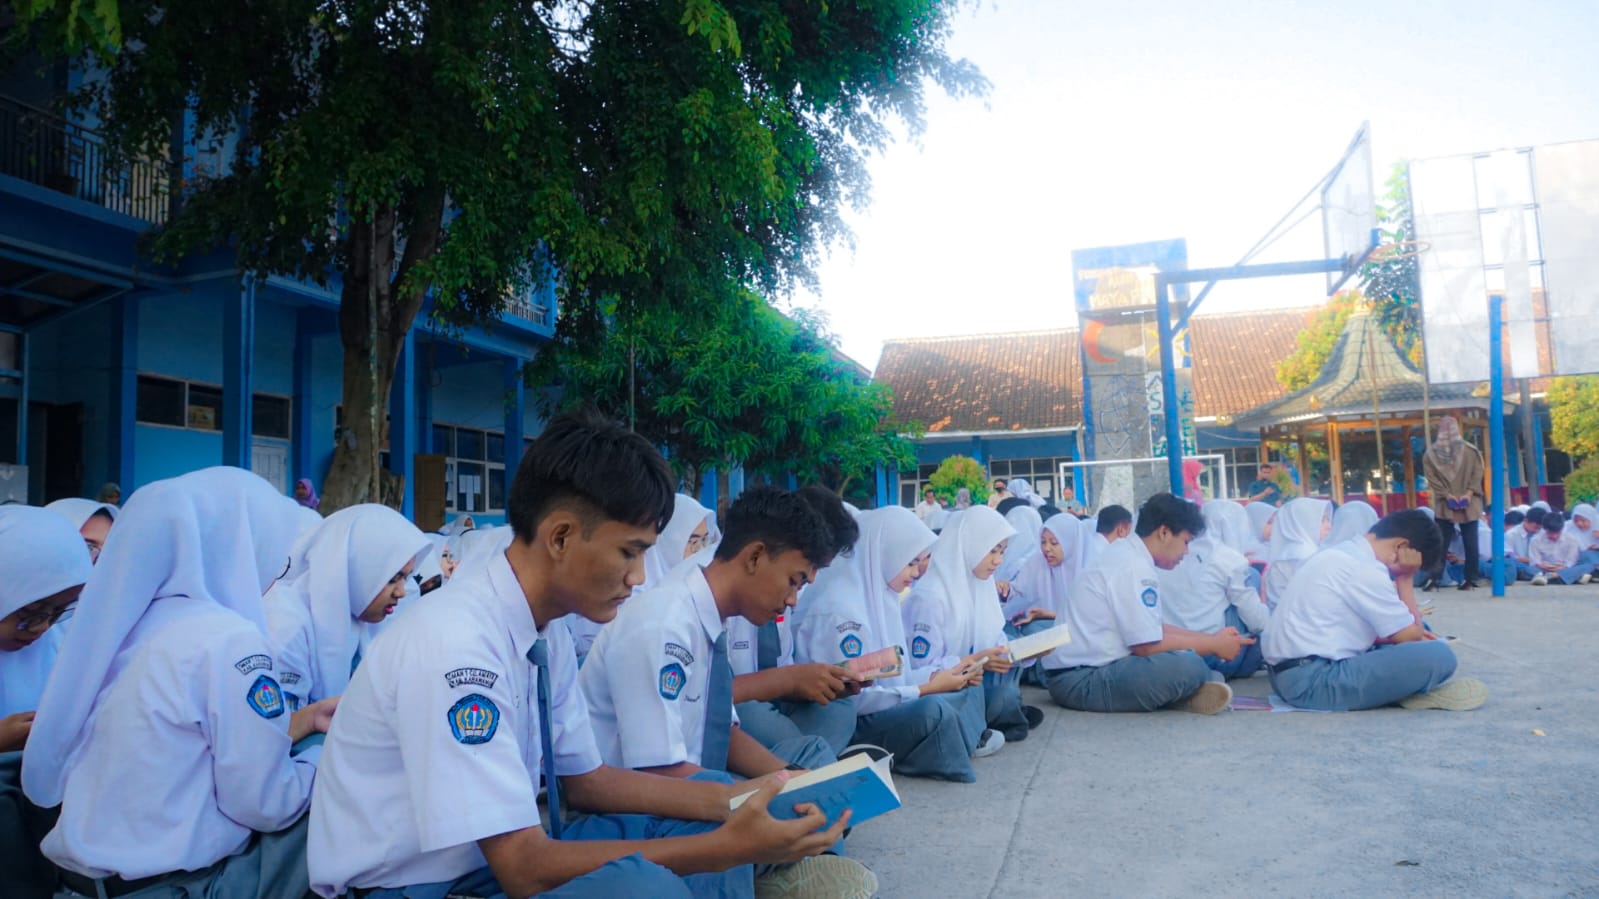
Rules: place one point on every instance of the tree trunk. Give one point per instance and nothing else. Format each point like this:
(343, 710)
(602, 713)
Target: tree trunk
(376, 309)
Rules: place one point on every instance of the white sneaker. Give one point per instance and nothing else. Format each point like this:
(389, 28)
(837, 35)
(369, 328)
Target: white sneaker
(1539, 580)
(1586, 579)
(820, 877)
(1210, 698)
(1462, 694)
(991, 742)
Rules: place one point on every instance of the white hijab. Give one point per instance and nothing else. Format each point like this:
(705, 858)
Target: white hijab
(219, 534)
(1021, 489)
(342, 566)
(1297, 534)
(891, 538)
(430, 565)
(667, 553)
(1042, 584)
(1227, 524)
(41, 554)
(1353, 519)
(1260, 515)
(971, 609)
(1029, 529)
(475, 549)
(79, 511)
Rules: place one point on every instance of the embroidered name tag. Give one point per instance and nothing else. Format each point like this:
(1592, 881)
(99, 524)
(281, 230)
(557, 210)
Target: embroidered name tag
(477, 677)
(253, 663)
(680, 652)
(289, 677)
(473, 719)
(848, 626)
(265, 697)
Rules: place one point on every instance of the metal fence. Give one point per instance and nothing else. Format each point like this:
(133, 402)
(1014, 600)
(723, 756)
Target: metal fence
(46, 149)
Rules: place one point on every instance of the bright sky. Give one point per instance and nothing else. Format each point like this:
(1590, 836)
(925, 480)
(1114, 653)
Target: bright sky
(1121, 122)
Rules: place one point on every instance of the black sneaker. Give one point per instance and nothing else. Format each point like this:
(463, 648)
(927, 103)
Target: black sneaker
(1034, 714)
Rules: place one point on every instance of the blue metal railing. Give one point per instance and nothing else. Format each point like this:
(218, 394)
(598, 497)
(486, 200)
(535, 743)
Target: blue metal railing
(46, 149)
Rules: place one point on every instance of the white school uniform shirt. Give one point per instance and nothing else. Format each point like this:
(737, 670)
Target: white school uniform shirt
(1337, 607)
(1210, 579)
(1516, 540)
(195, 669)
(1094, 546)
(1562, 552)
(1114, 605)
(647, 677)
(743, 642)
(23, 673)
(436, 743)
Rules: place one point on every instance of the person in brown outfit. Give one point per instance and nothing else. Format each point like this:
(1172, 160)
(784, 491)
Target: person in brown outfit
(1454, 479)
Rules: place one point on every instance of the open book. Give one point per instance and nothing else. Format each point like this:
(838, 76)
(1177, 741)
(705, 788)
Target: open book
(1034, 645)
(886, 662)
(856, 783)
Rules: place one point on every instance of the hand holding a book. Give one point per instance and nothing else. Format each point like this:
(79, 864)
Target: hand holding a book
(756, 836)
(816, 682)
(1034, 614)
(953, 680)
(995, 658)
(1227, 643)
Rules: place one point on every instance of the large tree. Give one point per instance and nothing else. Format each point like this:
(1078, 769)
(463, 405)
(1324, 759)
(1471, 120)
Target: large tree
(655, 151)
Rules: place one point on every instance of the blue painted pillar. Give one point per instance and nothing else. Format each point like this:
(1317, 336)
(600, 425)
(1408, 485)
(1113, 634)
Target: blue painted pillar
(238, 374)
(424, 405)
(979, 452)
(1536, 491)
(708, 488)
(1496, 437)
(893, 485)
(735, 482)
(882, 485)
(402, 422)
(515, 404)
(304, 418)
(1513, 462)
(124, 393)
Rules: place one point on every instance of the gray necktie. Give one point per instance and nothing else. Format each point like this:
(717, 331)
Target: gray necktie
(768, 646)
(539, 655)
(718, 709)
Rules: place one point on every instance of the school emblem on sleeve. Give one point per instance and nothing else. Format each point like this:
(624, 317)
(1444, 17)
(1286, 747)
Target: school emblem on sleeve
(473, 719)
(672, 680)
(265, 697)
(850, 646)
(1149, 597)
(920, 648)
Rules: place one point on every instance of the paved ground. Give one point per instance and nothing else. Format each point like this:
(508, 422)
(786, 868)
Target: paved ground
(1503, 801)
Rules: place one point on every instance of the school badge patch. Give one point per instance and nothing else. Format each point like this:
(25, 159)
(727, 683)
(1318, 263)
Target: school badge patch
(1149, 597)
(265, 697)
(473, 719)
(850, 646)
(920, 647)
(672, 680)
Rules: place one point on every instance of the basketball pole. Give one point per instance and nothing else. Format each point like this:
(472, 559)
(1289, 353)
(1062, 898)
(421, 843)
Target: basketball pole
(1496, 437)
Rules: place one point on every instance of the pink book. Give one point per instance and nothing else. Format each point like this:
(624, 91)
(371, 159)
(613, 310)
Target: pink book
(886, 662)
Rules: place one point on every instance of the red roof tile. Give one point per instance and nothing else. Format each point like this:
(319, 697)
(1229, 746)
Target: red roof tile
(1033, 381)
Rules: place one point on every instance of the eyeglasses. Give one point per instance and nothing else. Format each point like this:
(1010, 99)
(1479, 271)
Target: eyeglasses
(94, 550)
(29, 622)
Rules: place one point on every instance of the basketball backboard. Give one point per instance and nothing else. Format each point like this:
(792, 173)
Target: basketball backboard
(1349, 210)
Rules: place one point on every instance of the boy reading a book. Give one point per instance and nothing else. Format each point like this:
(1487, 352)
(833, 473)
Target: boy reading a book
(1122, 657)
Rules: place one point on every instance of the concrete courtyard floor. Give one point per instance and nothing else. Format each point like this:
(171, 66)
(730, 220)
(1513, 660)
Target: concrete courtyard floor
(1502, 801)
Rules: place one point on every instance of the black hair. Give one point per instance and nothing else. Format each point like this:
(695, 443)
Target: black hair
(1174, 512)
(1418, 530)
(780, 519)
(839, 521)
(1513, 518)
(102, 513)
(1009, 503)
(1047, 511)
(1554, 521)
(1111, 518)
(596, 467)
(1534, 515)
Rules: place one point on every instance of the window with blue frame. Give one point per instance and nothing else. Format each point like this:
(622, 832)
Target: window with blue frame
(474, 468)
(197, 406)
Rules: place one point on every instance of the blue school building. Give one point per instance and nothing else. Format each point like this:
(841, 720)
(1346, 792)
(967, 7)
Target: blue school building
(115, 369)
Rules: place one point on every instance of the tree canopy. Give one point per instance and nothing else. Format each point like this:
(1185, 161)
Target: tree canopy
(956, 472)
(657, 153)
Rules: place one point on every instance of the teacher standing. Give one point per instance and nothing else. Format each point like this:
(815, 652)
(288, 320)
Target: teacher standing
(1454, 472)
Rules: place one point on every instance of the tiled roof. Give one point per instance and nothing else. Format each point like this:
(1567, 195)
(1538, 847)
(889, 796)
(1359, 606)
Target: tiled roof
(1033, 381)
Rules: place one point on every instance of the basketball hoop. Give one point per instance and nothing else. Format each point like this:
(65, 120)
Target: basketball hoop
(1399, 249)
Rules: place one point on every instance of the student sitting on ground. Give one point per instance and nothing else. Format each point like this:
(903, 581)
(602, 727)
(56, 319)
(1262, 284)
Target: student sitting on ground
(1296, 535)
(1584, 525)
(1347, 635)
(658, 681)
(1214, 587)
(931, 720)
(428, 783)
(162, 732)
(1556, 553)
(954, 618)
(1039, 591)
(1113, 523)
(351, 575)
(1122, 657)
(1518, 543)
(776, 700)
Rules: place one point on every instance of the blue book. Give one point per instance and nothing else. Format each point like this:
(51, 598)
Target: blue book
(856, 783)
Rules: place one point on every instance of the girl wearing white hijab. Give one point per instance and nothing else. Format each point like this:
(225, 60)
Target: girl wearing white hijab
(954, 617)
(1029, 529)
(1214, 587)
(1353, 519)
(93, 521)
(354, 573)
(1021, 489)
(1261, 516)
(162, 732)
(1039, 589)
(1296, 535)
(931, 720)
